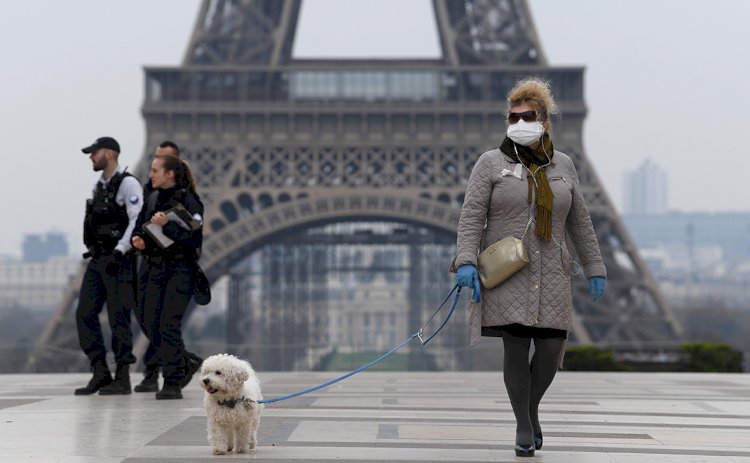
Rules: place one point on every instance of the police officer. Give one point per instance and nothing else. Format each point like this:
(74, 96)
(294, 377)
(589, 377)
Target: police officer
(165, 148)
(150, 382)
(110, 218)
(169, 271)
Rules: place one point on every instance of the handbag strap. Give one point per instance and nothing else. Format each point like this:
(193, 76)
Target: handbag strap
(532, 211)
(528, 224)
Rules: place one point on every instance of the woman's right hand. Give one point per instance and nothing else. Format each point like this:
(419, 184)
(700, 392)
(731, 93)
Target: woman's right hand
(160, 219)
(138, 243)
(466, 275)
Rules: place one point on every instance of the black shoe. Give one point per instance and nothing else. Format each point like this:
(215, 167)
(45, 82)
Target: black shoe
(192, 356)
(121, 384)
(147, 386)
(94, 385)
(116, 388)
(524, 450)
(169, 391)
(538, 440)
(193, 365)
(150, 381)
(102, 377)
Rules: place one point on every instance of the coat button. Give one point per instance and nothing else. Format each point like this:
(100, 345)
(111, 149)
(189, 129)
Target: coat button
(536, 286)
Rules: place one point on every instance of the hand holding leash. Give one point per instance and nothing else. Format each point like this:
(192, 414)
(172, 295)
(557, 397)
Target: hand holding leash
(467, 275)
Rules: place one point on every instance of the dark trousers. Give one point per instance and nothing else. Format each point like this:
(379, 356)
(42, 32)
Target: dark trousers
(116, 291)
(149, 357)
(150, 360)
(167, 289)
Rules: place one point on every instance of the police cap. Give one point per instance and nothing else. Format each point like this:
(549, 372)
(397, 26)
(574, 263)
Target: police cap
(102, 142)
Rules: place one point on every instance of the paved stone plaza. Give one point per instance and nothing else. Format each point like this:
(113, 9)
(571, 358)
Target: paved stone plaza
(391, 417)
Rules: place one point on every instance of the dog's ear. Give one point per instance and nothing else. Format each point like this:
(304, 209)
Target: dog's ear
(243, 375)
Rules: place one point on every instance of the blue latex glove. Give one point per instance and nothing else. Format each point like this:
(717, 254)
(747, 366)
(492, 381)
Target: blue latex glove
(596, 287)
(466, 275)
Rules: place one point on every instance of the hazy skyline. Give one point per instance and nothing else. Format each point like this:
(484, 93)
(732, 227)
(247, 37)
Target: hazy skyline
(663, 81)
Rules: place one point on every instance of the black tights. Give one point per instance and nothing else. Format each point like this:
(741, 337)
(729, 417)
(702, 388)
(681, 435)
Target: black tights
(526, 383)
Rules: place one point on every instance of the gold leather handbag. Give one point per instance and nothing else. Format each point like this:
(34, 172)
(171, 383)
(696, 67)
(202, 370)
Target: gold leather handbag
(501, 260)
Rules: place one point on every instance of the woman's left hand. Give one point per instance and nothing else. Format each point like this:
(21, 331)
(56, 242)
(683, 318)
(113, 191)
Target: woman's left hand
(160, 219)
(596, 287)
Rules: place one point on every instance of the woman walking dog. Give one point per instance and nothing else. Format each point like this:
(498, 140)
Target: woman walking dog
(527, 190)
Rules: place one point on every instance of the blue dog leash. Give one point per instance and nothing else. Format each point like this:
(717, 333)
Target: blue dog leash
(418, 334)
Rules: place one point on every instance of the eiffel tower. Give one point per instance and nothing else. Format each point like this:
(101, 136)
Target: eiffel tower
(287, 150)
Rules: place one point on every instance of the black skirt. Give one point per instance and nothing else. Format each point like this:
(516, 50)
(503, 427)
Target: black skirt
(522, 331)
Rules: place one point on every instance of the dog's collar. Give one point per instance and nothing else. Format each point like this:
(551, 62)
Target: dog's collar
(230, 403)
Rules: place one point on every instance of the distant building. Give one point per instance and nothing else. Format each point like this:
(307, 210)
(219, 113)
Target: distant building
(693, 239)
(36, 285)
(698, 259)
(645, 190)
(40, 247)
(366, 309)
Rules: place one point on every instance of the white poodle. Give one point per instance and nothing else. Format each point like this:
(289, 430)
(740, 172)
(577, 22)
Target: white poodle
(233, 415)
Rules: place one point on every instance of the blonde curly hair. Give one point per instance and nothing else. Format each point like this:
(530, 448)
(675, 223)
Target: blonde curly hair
(535, 92)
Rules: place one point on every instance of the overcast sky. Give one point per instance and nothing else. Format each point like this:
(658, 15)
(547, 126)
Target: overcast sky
(665, 79)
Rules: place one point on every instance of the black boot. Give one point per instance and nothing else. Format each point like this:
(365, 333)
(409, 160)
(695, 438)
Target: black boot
(150, 381)
(101, 378)
(171, 390)
(192, 365)
(121, 384)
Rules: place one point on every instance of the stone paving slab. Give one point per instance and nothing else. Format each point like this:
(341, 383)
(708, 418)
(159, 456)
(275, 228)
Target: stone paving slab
(391, 417)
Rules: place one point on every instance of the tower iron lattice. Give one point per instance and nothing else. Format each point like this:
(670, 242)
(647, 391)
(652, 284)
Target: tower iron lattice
(282, 148)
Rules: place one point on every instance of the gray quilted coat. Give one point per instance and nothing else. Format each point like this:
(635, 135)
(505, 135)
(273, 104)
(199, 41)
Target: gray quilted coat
(540, 293)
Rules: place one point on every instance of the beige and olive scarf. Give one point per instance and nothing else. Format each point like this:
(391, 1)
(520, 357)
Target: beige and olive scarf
(534, 159)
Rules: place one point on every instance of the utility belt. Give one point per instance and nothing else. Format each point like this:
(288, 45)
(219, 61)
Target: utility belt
(159, 259)
(102, 252)
(97, 252)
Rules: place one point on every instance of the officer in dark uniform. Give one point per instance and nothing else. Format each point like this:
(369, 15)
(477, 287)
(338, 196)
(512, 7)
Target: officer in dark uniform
(150, 382)
(165, 148)
(169, 270)
(110, 218)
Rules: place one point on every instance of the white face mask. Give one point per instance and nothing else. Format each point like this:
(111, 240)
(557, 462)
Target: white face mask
(525, 133)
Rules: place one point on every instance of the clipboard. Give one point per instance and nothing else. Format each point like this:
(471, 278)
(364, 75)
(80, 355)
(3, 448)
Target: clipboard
(177, 214)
